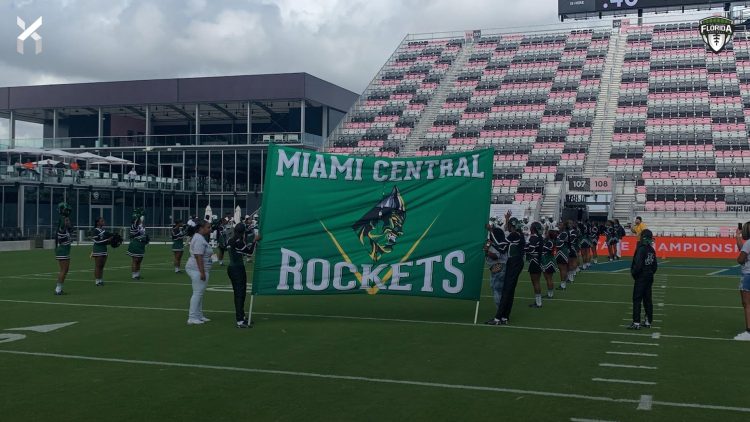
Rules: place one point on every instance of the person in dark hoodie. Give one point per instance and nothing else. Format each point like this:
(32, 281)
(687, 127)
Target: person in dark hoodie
(514, 246)
(643, 268)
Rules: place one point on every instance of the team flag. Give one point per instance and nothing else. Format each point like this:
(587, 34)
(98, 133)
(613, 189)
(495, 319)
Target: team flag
(343, 224)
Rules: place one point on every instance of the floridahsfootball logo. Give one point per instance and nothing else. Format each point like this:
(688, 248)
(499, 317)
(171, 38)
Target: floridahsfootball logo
(716, 32)
(382, 225)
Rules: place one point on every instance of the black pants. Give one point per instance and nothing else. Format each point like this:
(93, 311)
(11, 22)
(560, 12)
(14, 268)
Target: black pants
(642, 293)
(238, 276)
(514, 267)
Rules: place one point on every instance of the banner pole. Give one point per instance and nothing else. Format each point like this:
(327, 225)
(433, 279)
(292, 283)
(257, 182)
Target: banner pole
(476, 313)
(250, 311)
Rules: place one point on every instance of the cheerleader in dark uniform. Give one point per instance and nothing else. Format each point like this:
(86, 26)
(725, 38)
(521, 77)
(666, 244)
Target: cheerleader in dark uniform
(594, 235)
(138, 241)
(574, 239)
(178, 243)
(585, 242)
(549, 266)
(612, 240)
(534, 251)
(101, 239)
(63, 240)
(562, 253)
(238, 251)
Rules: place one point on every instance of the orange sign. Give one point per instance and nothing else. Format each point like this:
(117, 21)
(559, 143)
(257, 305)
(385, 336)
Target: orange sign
(681, 247)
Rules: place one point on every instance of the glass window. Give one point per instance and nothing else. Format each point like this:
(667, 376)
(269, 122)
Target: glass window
(10, 206)
(215, 171)
(229, 170)
(241, 168)
(82, 212)
(31, 196)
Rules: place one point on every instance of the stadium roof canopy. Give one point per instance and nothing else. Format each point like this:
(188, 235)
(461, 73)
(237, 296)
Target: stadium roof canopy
(166, 95)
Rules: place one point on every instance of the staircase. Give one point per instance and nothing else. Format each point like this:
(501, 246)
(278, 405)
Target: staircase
(597, 158)
(551, 201)
(417, 135)
(624, 193)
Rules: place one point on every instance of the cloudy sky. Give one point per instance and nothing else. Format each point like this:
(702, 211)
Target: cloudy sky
(343, 41)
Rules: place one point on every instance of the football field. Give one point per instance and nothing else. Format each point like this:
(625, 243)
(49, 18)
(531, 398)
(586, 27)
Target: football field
(126, 352)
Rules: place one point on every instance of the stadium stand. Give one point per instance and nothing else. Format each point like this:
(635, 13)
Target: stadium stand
(646, 105)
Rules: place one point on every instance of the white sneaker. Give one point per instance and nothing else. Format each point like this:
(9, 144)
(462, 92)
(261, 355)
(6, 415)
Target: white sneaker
(194, 322)
(743, 336)
(204, 319)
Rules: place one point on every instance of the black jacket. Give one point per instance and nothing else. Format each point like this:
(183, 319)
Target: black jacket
(644, 262)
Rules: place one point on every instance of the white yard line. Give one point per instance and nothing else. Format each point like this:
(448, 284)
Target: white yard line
(623, 381)
(615, 365)
(722, 270)
(634, 343)
(589, 420)
(632, 354)
(373, 380)
(344, 317)
(323, 376)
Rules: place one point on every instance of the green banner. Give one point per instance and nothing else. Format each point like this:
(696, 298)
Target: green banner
(335, 224)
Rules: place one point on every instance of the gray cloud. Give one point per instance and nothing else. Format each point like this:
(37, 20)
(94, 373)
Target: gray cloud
(343, 41)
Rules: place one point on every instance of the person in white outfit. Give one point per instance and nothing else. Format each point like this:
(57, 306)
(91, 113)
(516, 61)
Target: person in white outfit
(198, 268)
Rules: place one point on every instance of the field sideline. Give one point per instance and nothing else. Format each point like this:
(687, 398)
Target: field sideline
(130, 356)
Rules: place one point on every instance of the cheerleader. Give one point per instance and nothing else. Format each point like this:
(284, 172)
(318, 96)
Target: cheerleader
(238, 250)
(613, 239)
(178, 243)
(594, 236)
(534, 252)
(224, 231)
(574, 239)
(138, 241)
(63, 240)
(562, 253)
(101, 239)
(585, 242)
(548, 264)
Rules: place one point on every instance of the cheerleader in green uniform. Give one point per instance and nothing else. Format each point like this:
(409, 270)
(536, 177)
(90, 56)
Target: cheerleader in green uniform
(548, 264)
(224, 231)
(534, 251)
(574, 240)
(138, 241)
(178, 243)
(101, 239)
(562, 253)
(63, 240)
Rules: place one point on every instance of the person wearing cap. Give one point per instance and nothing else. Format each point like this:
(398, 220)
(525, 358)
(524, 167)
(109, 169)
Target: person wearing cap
(642, 268)
(742, 237)
(513, 246)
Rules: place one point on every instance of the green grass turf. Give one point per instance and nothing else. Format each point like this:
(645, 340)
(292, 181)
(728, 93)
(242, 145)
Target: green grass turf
(556, 349)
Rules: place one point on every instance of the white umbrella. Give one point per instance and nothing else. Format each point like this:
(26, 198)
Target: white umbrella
(116, 160)
(25, 150)
(46, 162)
(89, 156)
(237, 215)
(60, 153)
